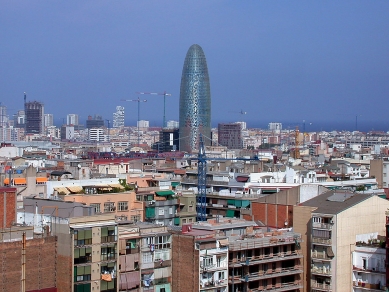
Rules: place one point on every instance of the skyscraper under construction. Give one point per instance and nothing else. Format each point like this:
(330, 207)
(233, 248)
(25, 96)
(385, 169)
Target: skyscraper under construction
(195, 100)
(34, 112)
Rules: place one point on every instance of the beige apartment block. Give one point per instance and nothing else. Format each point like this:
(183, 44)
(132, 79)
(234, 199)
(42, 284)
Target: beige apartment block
(331, 223)
(123, 205)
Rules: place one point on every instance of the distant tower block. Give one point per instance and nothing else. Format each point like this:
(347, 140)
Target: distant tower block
(195, 101)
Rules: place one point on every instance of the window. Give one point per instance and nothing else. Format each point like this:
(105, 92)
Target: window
(123, 206)
(316, 219)
(108, 253)
(109, 207)
(135, 218)
(82, 255)
(96, 206)
(108, 234)
(183, 220)
(82, 273)
(161, 211)
(170, 210)
(147, 257)
(82, 237)
(207, 261)
(190, 208)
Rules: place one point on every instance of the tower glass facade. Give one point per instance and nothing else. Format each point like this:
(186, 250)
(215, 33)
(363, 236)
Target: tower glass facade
(195, 101)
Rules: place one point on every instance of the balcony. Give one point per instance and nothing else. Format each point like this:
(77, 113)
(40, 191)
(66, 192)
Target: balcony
(369, 270)
(315, 286)
(210, 284)
(162, 264)
(255, 260)
(321, 271)
(266, 274)
(287, 286)
(322, 255)
(368, 286)
(326, 226)
(322, 241)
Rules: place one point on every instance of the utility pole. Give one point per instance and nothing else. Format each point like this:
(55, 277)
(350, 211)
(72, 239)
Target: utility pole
(164, 103)
(138, 101)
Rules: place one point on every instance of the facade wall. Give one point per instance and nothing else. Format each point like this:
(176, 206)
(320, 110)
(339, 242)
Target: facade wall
(41, 264)
(185, 270)
(302, 224)
(366, 217)
(7, 207)
(272, 215)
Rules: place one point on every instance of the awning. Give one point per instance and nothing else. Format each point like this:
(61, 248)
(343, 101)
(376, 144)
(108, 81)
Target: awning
(175, 183)
(41, 179)
(119, 186)
(242, 178)
(20, 181)
(223, 242)
(62, 190)
(75, 189)
(165, 193)
(6, 181)
(330, 253)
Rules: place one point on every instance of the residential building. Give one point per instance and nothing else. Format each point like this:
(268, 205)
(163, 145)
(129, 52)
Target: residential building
(334, 220)
(369, 268)
(48, 120)
(230, 135)
(118, 117)
(168, 140)
(195, 101)
(67, 133)
(72, 119)
(96, 134)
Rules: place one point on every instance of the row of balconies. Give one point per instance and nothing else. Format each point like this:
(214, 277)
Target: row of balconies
(266, 258)
(321, 286)
(265, 274)
(366, 285)
(320, 255)
(287, 286)
(324, 241)
(321, 271)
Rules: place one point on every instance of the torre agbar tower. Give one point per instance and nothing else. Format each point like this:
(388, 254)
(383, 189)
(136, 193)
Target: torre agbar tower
(195, 101)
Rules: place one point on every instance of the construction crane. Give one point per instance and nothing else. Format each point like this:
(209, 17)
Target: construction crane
(138, 101)
(164, 103)
(202, 179)
(108, 130)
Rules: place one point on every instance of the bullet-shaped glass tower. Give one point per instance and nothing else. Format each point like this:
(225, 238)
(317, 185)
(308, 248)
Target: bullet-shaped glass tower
(195, 100)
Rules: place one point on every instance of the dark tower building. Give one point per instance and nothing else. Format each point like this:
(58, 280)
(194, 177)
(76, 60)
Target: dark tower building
(195, 100)
(34, 111)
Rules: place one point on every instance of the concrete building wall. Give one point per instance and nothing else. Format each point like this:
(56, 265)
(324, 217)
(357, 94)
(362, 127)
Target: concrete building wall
(366, 217)
(302, 224)
(7, 207)
(41, 264)
(185, 269)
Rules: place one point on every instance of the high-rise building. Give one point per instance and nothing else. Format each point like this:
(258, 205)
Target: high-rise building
(118, 117)
(195, 100)
(19, 119)
(34, 111)
(276, 127)
(94, 122)
(172, 124)
(48, 120)
(72, 119)
(230, 135)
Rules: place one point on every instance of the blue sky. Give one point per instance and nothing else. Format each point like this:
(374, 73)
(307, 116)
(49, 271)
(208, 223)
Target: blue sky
(288, 61)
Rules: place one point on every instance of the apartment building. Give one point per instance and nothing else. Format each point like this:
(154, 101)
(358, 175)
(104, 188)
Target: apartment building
(334, 220)
(369, 268)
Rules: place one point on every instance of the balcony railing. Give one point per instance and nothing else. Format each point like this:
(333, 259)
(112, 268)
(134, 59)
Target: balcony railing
(366, 285)
(321, 271)
(320, 255)
(321, 286)
(266, 258)
(319, 240)
(369, 269)
(287, 286)
(269, 273)
(322, 225)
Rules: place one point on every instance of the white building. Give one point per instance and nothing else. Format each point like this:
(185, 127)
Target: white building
(118, 117)
(72, 119)
(48, 120)
(143, 124)
(96, 134)
(172, 124)
(276, 127)
(368, 266)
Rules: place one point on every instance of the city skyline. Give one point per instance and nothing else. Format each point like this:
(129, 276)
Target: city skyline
(318, 62)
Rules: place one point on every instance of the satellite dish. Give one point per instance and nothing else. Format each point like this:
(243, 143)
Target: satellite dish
(79, 165)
